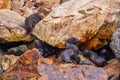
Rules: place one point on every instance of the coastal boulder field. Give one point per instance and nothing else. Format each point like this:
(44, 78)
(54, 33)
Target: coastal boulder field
(59, 39)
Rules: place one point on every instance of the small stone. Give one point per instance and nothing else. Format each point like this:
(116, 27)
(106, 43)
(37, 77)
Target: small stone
(96, 59)
(66, 55)
(31, 21)
(17, 50)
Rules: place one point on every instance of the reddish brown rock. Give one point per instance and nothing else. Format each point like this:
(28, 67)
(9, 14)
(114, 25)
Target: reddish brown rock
(91, 21)
(31, 65)
(25, 67)
(5, 4)
(113, 69)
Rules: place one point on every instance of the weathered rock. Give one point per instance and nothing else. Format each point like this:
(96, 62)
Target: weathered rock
(11, 29)
(113, 69)
(46, 6)
(91, 21)
(17, 50)
(8, 60)
(16, 5)
(115, 43)
(5, 4)
(72, 72)
(31, 65)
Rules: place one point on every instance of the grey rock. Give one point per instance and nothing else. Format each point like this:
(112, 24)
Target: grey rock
(18, 50)
(115, 43)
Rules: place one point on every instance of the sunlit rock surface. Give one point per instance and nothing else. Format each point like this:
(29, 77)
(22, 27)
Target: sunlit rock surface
(11, 27)
(91, 21)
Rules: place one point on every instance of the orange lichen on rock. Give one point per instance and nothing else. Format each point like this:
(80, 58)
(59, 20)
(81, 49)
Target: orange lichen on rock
(5, 4)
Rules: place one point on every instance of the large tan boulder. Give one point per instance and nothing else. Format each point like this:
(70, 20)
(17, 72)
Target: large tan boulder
(91, 21)
(11, 27)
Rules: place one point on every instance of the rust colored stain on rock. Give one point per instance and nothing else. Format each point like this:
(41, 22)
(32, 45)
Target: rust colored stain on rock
(31, 65)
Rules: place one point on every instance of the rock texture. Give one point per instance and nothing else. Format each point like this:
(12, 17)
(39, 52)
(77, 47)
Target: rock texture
(46, 6)
(91, 21)
(8, 60)
(16, 6)
(113, 69)
(31, 66)
(11, 27)
(5, 4)
(115, 43)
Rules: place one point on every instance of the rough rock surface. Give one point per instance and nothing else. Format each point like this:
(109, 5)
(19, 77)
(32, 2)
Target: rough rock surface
(115, 43)
(32, 66)
(91, 21)
(5, 4)
(8, 60)
(11, 27)
(46, 6)
(16, 5)
(113, 69)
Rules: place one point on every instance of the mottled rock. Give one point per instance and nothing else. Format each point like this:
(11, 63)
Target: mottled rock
(46, 6)
(91, 21)
(31, 65)
(8, 60)
(5, 4)
(115, 43)
(113, 69)
(17, 50)
(16, 5)
(11, 29)
(71, 72)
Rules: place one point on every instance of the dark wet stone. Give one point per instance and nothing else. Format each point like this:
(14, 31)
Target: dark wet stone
(73, 40)
(105, 54)
(31, 21)
(45, 49)
(66, 55)
(72, 46)
(98, 60)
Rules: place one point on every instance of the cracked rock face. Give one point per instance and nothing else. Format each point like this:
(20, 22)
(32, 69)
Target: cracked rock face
(11, 29)
(115, 43)
(91, 21)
